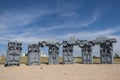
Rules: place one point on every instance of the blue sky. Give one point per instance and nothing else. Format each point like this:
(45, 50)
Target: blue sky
(30, 21)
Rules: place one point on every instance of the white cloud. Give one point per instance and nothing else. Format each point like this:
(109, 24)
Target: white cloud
(90, 35)
(49, 28)
(92, 20)
(11, 20)
(74, 24)
(79, 35)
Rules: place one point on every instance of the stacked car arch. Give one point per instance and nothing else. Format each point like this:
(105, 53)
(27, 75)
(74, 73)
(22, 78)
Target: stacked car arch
(105, 43)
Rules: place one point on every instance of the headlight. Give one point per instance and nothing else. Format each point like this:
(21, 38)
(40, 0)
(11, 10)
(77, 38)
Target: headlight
(65, 43)
(57, 44)
(81, 44)
(107, 42)
(44, 43)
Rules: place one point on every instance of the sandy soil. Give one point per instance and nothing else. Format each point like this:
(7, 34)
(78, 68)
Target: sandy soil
(61, 72)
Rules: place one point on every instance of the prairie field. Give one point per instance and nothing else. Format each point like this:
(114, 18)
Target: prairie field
(44, 60)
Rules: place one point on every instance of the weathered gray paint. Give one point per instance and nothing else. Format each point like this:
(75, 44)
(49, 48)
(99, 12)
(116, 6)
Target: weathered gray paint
(13, 53)
(106, 49)
(68, 57)
(33, 54)
(86, 50)
(53, 51)
(53, 55)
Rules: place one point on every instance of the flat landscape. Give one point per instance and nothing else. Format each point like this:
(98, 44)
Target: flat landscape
(76, 71)
(61, 72)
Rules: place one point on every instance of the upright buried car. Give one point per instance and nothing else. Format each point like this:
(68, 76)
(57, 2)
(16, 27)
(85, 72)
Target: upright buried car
(33, 54)
(13, 53)
(106, 49)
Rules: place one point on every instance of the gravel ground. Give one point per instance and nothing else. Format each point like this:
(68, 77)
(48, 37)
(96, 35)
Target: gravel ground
(61, 72)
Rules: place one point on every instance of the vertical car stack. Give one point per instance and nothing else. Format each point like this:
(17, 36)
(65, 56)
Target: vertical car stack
(13, 53)
(33, 54)
(53, 51)
(106, 49)
(86, 51)
(68, 52)
(105, 43)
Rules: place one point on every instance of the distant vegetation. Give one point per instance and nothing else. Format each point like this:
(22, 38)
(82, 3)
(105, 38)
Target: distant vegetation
(116, 56)
(44, 60)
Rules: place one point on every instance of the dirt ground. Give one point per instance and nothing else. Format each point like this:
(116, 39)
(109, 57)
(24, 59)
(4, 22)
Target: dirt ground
(61, 72)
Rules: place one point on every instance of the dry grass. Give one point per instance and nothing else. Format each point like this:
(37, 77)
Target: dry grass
(44, 60)
(2, 60)
(117, 61)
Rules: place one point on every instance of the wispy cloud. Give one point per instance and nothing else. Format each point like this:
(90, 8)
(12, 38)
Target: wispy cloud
(91, 35)
(49, 28)
(52, 23)
(69, 24)
(92, 20)
(12, 25)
